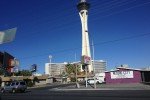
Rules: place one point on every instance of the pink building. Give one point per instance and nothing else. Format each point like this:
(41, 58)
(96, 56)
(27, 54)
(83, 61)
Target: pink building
(126, 75)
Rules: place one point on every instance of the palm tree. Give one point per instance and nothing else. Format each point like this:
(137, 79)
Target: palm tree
(71, 69)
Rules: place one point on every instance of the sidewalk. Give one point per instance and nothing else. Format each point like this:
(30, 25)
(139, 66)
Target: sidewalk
(52, 85)
(131, 86)
(44, 85)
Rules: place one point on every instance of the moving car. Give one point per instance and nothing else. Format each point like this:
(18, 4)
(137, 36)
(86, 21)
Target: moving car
(14, 86)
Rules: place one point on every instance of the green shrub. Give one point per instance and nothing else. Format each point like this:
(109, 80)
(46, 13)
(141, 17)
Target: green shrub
(30, 84)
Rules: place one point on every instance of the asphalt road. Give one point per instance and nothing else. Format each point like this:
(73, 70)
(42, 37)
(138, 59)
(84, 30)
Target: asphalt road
(51, 94)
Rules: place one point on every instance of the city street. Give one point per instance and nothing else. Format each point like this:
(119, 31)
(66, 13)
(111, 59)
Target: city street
(47, 93)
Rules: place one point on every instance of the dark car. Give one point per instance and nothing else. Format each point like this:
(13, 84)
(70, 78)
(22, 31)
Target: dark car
(15, 86)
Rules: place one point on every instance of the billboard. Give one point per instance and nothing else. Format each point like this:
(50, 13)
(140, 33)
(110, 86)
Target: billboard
(121, 74)
(14, 62)
(14, 69)
(7, 60)
(7, 35)
(86, 60)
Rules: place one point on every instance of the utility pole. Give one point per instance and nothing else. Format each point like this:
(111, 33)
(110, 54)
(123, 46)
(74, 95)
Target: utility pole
(86, 68)
(76, 65)
(76, 73)
(93, 66)
(50, 69)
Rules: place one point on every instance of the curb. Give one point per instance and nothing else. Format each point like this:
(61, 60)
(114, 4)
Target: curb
(92, 89)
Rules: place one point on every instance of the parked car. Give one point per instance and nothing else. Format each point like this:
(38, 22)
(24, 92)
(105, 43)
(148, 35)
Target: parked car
(15, 86)
(91, 81)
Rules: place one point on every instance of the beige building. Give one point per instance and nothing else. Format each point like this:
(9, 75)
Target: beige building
(54, 69)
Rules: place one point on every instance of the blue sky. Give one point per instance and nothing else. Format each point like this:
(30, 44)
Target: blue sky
(119, 28)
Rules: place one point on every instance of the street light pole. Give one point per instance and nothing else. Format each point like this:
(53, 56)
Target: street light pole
(76, 74)
(50, 69)
(93, 66)
(86, 75)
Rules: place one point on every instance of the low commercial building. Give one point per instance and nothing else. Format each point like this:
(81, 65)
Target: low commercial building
(127, 75)
(39, 80)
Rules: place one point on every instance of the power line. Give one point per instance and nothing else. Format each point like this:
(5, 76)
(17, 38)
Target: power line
(124, 38)
(91, 14)
(64, 18)
(61, 27)
(55, 18)
(113, 6)
(139, 5)
(75, 21)
(95, 44)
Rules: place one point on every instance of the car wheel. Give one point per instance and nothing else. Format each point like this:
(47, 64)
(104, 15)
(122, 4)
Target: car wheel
(13, 90)
(2, 90)
(24, 90)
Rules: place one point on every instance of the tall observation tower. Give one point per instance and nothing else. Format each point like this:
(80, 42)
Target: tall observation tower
(83, 7)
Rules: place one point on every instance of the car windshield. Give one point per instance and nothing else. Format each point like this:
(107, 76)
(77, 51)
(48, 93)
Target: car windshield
(12, 84)
(22, 83)
(7, 84)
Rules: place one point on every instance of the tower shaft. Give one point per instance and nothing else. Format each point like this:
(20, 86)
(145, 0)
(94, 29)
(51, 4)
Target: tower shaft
(83, 7)
(85, 35)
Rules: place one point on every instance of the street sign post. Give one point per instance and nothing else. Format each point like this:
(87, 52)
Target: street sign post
(85, 61)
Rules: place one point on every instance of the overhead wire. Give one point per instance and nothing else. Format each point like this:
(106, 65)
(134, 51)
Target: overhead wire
(94, 44)
(74, 21)
(115, 40)
(52, 20)
(116, 5)
(96, 19)
(117, 12)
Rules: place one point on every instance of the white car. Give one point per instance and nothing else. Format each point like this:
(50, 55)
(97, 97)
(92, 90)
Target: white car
(91, 81)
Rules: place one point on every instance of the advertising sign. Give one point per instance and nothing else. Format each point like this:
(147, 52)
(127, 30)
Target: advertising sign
(14, 69)
(7, 60)
(121, 74)
(14, 62)
(86, 60)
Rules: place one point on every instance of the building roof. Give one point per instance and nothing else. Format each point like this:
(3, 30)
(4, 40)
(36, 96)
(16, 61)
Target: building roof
(43, 77)
(124, 68)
